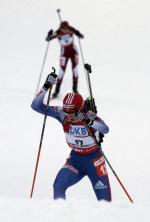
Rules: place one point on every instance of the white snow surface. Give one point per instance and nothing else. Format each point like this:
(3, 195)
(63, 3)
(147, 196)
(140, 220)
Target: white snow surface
(117, 45)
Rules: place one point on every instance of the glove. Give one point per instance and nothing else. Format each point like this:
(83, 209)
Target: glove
(49, 35)
(50, 81)
(79, 34)
(89, 104)
(83, 117)
(101, 137)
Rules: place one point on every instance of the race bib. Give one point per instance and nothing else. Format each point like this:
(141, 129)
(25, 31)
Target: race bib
(78, 131)
(66, 40)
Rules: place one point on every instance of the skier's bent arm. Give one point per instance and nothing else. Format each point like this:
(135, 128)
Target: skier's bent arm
(100, 126)
(39, 106)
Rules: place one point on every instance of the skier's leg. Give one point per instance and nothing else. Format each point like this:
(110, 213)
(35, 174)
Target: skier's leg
(66, 177)
(75, 62)
(98, 176)
(63, 64)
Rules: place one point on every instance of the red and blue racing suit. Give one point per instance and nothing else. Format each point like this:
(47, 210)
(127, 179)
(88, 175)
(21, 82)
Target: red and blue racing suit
(85, 158)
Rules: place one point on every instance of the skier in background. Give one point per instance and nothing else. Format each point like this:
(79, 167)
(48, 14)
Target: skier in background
(65, 34)
(85, 158)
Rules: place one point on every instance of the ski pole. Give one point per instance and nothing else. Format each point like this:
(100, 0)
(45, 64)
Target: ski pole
(89, 70)
(81, 51)
(121, 184)
(42, 67)
(82, 58)
(58, 12)
(41, 140)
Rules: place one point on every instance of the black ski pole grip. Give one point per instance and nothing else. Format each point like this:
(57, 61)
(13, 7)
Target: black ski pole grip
(54, 72)
(88, 67)
(58, 12)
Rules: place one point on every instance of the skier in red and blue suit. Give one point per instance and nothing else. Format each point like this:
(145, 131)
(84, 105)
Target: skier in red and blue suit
(85, 158)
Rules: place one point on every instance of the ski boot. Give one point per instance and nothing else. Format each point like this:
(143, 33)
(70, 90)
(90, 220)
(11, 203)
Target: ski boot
(55, 94)
(74, 88)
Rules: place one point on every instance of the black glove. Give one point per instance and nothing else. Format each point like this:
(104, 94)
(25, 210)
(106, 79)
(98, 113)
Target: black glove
(79, 34)
(101, 137)
(83, 117)
(89, 104)
(49, 35)
(50, 81)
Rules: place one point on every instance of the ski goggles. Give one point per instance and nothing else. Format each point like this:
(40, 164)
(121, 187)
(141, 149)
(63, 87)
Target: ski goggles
(69, 111)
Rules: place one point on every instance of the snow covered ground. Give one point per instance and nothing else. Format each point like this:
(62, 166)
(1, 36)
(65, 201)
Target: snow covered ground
(116, 44)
